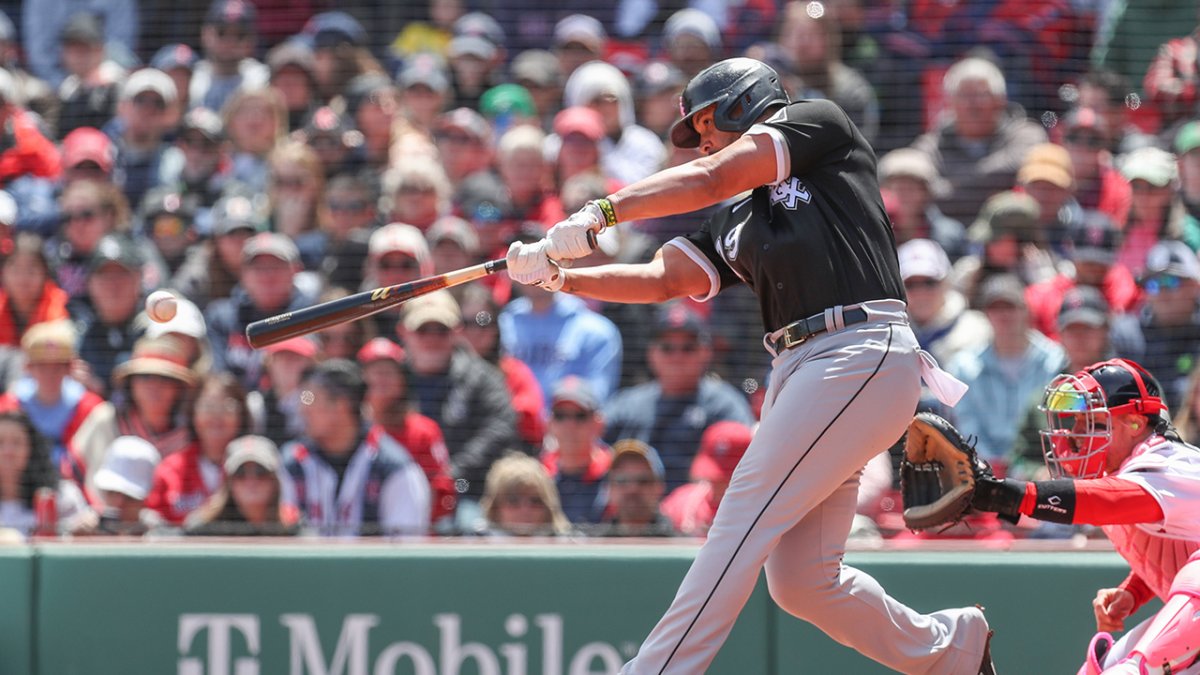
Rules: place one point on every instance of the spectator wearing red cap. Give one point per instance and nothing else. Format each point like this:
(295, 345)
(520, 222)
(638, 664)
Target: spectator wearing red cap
(185, 480)
(389, 413)
(284, 364)
(580, 132)
(574, 456)
(629, 151)
(692, 507)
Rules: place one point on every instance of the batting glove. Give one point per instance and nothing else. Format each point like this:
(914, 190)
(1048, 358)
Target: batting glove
(528, 264)
(575, 237)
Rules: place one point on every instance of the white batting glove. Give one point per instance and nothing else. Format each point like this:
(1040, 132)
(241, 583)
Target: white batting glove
(570, 238)
(528, 264)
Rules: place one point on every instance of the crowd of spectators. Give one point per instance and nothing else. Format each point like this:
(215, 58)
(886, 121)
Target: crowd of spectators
(1040, 162)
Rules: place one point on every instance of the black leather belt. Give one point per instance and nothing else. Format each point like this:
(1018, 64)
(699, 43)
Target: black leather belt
(797, 333)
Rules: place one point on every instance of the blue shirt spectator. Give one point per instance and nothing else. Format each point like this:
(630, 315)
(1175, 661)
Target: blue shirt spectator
(557, 335)
(43, 20)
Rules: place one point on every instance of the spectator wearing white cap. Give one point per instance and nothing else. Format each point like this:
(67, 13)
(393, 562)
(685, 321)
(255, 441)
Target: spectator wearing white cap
(578, 38)
(397, 253)
(1156, 211)
(692, 40)
(628, 151)
(941, 319)
(911, 185)
(122, 484)
(248, 503)
(145, 112)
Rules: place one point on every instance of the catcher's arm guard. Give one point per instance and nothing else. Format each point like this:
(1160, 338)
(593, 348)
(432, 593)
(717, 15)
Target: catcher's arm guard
(938, 474)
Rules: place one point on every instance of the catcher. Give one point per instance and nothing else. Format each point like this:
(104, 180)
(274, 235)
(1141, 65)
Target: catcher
(1116, 462)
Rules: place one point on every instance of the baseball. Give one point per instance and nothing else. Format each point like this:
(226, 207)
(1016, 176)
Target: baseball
(160, 306)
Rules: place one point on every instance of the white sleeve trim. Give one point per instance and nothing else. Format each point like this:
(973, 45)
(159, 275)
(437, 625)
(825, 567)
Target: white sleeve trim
(782, 158)
(691, 251)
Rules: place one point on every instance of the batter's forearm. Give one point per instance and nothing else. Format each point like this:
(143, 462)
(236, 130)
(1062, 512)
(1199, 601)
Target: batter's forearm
(679, 189)
(619, 283)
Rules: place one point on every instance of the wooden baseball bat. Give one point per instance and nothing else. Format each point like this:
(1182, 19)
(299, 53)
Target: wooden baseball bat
(353, 307)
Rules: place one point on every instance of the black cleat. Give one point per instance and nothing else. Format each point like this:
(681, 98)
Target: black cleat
(986, 667)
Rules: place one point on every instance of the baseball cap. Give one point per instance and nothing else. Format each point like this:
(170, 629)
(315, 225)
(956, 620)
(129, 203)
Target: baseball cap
(274, 244)
(1153, 165)
(439, 307)
(1083, 304)
(175, 55)
(911, 163)
(400, 238)
(676, 317)
(88, 144)
(82, 28)
(152, 80)
(1047, 162)
(116, 248)
(362, 88)
(128, 467)
(507, 99)
(465, 120)
(1002, 288)
(251, 448)
(1094, 238)
(235, 212)
(693, 22)
(164, 356)
(424, 69)
(472, 45)
(301, 346)
(453, 229)
(579, 120)
(165, 201)
(327, 121)
(573, 389)
(1009, 212)
(294, 52)
(658, 77)
(238, 12)
(580, 28)
(479, 24)
(188, 320)
(538, 67)
(205, 121)
(721, 448)
(330, 29)
(923, 258)
(632, 447)
(1188, 138)
(49, 342)
(1174, 258)
(380, 349)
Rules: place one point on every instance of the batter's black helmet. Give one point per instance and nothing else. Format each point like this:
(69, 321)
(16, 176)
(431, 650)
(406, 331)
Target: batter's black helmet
(743, 90)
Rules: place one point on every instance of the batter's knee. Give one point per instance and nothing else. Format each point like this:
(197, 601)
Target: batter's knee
(803, 597)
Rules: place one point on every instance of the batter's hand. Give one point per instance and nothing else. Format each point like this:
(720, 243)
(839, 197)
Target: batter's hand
(528, 264)
(1112, 606)
(575, 237)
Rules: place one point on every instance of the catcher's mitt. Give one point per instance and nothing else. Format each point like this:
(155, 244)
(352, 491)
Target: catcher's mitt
(938, 473)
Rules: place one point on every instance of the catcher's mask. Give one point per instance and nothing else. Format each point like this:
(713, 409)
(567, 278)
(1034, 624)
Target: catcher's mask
(742, 89)
(1079, 410)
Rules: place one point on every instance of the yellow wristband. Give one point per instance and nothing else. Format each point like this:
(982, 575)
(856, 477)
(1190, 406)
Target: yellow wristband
(606, 207)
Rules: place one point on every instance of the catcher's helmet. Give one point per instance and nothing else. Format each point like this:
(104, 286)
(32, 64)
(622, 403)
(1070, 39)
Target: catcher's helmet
(743, 90)
(1079, 409)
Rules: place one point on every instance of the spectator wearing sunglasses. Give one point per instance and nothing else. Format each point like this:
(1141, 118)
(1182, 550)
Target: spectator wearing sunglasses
(1165, 336)
(346, 215)
(1098, 184)
(228, 39)
(573, 454)
(248, 503)
(634, 490)
(397, 253)
(672, 411)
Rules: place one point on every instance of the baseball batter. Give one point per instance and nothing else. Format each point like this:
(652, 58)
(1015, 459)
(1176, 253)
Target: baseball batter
(810, 236)
(1119, 464)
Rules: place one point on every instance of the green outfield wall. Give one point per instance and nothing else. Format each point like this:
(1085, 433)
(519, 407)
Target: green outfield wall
(263, 609)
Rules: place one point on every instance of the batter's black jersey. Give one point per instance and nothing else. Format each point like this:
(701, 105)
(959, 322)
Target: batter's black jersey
(816, 238)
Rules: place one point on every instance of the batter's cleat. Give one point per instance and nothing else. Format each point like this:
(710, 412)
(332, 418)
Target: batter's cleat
(986, 667)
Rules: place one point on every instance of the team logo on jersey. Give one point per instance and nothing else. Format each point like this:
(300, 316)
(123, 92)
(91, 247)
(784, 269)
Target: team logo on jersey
(790, 193)
(730, 242)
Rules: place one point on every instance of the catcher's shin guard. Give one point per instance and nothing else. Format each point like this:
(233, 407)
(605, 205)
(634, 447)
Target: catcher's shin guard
(1172, 640)
(1097, 650)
